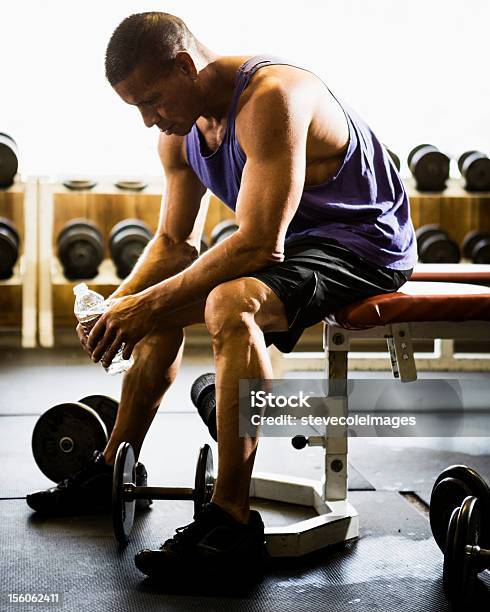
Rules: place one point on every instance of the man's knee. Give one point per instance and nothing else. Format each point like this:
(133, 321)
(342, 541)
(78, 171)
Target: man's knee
(230, 308)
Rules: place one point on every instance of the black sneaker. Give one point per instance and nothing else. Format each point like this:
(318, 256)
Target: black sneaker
(213, 545)
(87, 491)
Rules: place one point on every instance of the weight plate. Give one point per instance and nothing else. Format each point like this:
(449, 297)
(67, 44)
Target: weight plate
(105, 407)
(446, 495)
(123, 510)
(459, 574)
(477, 173)
(80, 225)
(476, 246)
(449, 553)
(431, 170)
(439, 249)
(9, 247)
(203, 396)
(463, 158)
(9, 227)
(203, 384)
(65, 438)
(469, 242)
(481, 251)
(129, 224)
(9, 163)
(131, 185)
(79, 184)
(427, 231)
(222, 230)
(204, 481)
(80, 249)
(415, 150)
(477, 486)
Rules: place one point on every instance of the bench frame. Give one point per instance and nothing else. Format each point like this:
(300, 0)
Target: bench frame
(337, 519)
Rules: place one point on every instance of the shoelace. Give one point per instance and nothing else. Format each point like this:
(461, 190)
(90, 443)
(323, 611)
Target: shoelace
(186, 533)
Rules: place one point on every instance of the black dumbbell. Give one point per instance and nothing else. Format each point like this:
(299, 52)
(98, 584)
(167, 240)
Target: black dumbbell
(80, 249)
(451, 487)
(429, 167)
(475, 168)
(464, 559)
(476, 246)
(9, 247)
(9, 163)
(394, 157)
(125, 492)
(203, 396)
(435, 246)
(222, 230)
(66, 436)
(127, 241)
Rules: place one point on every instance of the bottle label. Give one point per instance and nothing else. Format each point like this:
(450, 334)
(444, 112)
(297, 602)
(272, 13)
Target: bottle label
(88, 324)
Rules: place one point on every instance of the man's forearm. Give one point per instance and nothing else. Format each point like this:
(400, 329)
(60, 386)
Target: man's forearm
(228, 260)
(160, 260)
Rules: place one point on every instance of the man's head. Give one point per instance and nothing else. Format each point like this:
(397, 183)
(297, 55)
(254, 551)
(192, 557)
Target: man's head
(150, 63)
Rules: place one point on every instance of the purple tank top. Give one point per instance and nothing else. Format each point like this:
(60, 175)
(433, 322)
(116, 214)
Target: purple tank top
(364, 206)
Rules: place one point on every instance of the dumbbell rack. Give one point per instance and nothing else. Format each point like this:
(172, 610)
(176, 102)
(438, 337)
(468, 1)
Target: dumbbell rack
(50, 269)
(24, 273)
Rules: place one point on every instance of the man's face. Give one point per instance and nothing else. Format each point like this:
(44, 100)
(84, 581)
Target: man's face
(169, 100)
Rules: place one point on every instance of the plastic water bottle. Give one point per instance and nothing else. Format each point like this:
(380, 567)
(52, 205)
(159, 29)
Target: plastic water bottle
(89, 306)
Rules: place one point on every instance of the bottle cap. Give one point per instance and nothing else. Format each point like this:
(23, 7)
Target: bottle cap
(80, 288)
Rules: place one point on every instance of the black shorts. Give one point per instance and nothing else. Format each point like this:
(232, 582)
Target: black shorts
(317, 277)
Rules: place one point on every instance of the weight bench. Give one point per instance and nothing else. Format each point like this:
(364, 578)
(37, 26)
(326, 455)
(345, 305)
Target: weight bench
(417, 310)
(442, 358)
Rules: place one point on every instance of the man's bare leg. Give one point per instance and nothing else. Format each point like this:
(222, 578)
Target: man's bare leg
(237, 313)
(157, 359)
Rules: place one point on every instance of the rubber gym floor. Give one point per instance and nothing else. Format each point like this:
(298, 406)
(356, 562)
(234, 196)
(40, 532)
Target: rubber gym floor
(394, 565)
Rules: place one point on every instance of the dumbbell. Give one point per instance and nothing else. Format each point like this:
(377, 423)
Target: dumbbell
(203, 396)
(127, 241)
(451, 487)
(222, 230)
(464, 559)
(66, 436)
(80, 249)
(476, 246)
(475, 169)
(125, 492)
(9, 247)
(8, 160)
(429, 167)
(435, 246)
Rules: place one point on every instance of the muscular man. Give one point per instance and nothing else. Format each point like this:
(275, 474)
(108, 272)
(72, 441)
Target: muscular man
(323, 221)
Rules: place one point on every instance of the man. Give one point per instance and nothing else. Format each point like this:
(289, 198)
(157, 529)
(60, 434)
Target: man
(323, 221)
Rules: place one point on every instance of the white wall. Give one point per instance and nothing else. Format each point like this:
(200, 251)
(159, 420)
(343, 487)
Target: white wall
(417, 71)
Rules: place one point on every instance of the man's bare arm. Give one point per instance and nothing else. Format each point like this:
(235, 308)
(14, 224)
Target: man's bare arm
(175, 244)
(274, 140)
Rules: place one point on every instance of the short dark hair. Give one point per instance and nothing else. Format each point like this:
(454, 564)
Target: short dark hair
(151, 36)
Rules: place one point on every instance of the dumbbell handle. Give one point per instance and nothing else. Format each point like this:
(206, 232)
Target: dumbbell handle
(480, 556)
(132, 492)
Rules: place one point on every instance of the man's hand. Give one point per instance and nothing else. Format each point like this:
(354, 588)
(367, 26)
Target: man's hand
(127, 320)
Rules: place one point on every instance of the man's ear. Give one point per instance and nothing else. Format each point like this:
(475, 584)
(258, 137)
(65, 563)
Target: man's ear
(186, 64)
